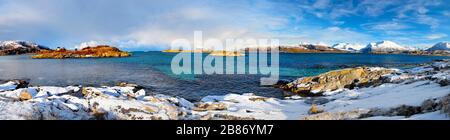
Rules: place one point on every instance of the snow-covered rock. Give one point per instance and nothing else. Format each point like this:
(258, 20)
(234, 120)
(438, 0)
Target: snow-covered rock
(348, 47)
(76, 103)
(383, 47)
(8, 86)
(444, 46)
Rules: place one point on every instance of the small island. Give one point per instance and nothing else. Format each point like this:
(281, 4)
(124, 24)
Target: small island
(100, 51)
(210, 52)
(226, 53)
(186, 51)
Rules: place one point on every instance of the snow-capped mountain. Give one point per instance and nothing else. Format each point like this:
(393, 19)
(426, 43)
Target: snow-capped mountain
(348, 47)
(383, 47)
(445, 46)
(19, 47)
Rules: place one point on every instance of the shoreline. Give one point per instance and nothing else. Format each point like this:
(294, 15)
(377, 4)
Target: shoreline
(421, 92)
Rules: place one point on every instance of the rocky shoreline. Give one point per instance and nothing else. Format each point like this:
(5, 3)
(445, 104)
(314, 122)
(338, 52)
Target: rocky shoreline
(355, 93)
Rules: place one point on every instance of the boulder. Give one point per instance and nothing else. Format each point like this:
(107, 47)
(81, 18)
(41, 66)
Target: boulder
(210, 106)
(25, 95)
(314, 110)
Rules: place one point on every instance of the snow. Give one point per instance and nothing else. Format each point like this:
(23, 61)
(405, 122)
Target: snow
(386, 96)
(60, 103)
(53, 104)
(348, 47)
(14, 44)
(440, 46)
(242, 106)
(437, 115)
(385, 118)
(410, 90)
(384, 46)
(58, 90)
(8, 86)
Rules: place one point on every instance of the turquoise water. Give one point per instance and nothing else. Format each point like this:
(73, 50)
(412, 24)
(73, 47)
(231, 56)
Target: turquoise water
(153, 71)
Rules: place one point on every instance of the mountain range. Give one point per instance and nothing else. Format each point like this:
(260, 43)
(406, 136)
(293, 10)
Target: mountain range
(23, 47)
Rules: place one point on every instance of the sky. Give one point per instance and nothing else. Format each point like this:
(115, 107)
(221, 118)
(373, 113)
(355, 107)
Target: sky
(154, 24)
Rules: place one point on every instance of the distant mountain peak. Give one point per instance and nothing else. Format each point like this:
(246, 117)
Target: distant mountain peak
(440, 46)
(384, 46)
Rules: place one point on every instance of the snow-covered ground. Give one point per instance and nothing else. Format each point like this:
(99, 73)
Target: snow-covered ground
(420, 93)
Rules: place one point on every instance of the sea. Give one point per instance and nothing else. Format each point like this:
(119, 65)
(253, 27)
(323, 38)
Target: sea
(153, 71)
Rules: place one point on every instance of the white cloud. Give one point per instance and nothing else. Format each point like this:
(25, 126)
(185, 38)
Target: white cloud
(375, 7)
(415, 7)
(92, 44)
(321, 4)
(386, 26)
(436, 36)
(329, 35)
(446, 13)
(427, 20)
(14, 13)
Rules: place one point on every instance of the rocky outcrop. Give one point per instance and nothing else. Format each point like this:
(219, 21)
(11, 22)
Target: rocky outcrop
(19, 47)
(210, 106)
(334, 80)
(88, 52)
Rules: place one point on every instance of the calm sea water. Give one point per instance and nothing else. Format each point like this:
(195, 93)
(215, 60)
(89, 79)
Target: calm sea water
(153, 71)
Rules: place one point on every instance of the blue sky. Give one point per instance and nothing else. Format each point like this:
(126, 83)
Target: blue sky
(152, 25)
